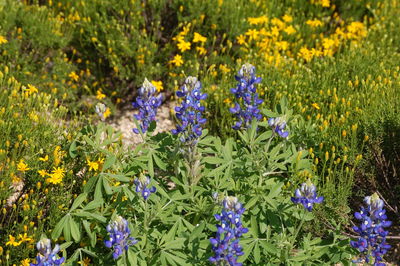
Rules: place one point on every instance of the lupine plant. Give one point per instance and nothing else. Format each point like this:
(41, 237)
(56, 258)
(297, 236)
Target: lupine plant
(175, 222)
(190, 112)
(47, 256)
(307, 196)
(247, 106)
(147, 103)
(141, 184)
(372, 243)
(278, 125)
(119, 236)
(226, 245)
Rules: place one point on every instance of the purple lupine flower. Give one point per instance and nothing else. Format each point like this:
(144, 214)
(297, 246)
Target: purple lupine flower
(141, 186)
(278, 124)
(119, 236)
(307, 195)
(246, 107)
(47, 256)
(372, 241)
(225, 245)
(190, 112)
(147, 103)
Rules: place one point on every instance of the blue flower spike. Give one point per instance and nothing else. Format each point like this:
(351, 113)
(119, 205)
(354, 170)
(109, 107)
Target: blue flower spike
(225, 245)
(247, 100)
(147, 103)
(47, 256)
(372, 234)
(307, 196)
(189, 113)
(278, 124)
(142, 183)
(119, 236)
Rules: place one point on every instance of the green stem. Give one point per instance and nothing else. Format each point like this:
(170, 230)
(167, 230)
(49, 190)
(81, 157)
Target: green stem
(297, 231)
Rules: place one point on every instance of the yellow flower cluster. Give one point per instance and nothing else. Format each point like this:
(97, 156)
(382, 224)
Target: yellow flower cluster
(275, 39)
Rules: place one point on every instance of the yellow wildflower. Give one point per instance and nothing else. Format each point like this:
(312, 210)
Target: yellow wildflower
(73, 76)
(12, 241)
(305, 54)
(158, 85)
(44, 159)
(3, 40)
(290, 30)
(241, 39)
(22, 166)
(56, 176)
(224, 69)
(183, 46)
(287, 18)
(258, 20)
(25, 262)
(25, 238)
(177, 61)
(100, 95)
(253, 34)
(107, 113)
(314, 23)
(84, 262)
(43, 173)
(31, 89)
(92, 165)
(316, 106)
(199, 38)
(201, 50)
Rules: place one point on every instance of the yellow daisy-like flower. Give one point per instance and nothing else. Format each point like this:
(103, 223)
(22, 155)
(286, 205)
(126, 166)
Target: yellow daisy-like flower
(314, 23)
(3, 40)
(12, 242)
(22, 166)
(25, 262)
(199, 38)
(107, 113)
(84, 262)
(201, 50)
(93, 166)
(241, 39)
(43, 173)
(158, 85)
(177, 60)
(56, 176)
(316, 106)
(183, 46)
(290, 30)
(25, 238)
(31, 89)
(44, 159)
(73, 76)
(100, 95)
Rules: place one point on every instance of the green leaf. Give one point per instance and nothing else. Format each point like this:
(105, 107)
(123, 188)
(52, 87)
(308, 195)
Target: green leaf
(93, 204)
(73, 150)
(78, 201)
(59, 228)
(159, 162)
(75, 231)
(132, 258)
(109, 162)
(91, 215)
(256, 253)
(67, 228)
(150, 166)
(107, 187)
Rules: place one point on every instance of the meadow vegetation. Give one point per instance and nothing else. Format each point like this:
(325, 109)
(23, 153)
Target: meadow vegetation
(287, 118)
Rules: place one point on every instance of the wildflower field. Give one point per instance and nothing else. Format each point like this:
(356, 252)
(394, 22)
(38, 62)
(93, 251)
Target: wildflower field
(284, 146)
